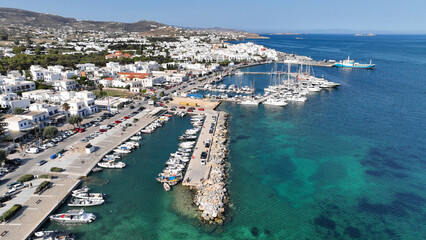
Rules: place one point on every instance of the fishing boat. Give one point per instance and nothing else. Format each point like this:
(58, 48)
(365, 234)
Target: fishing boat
(73, 216)
(352, 64)
(80, 202)
(166, 186)
(91, 196)
(111, 164)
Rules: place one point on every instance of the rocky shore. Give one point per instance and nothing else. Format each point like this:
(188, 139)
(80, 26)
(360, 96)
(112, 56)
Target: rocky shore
(211, 196)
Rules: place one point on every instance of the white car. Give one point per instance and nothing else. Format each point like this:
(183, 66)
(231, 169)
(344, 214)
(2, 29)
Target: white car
(33, 150)
(44, 146)
(12, 191)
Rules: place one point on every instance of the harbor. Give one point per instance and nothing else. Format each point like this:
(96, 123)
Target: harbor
(77, 164)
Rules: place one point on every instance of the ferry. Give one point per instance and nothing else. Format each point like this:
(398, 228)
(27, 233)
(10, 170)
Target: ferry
(352, 64)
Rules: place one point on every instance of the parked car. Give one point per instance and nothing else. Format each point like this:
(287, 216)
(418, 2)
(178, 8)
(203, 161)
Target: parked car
(203, 155)
(12, 192)
(41, 162)
(33, 150)
(201, 109)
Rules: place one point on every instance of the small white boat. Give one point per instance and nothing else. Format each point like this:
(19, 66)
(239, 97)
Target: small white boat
(74, 216)
(111, 164)
(85, 189)
(249, 102)
(166, 186)
(120, 150)
(136, 138)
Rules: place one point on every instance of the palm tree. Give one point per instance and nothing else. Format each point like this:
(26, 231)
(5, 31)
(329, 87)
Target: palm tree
(100, 86)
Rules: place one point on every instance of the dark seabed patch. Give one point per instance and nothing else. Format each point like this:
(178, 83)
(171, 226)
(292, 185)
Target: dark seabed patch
(353, 232)
(242, 137)
(325, 222)
(254, 231)
(396, 208)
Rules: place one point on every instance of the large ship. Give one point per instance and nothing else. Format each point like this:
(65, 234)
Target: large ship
(352, 64)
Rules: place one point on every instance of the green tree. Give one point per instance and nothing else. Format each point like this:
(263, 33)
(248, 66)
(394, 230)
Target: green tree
(75, 120)
(66, 106)
(2, 125)
(101, 87)
(143, 91)
(128, 87)
(18, 111)
(50, 132)
(161, 94)
(3, 156)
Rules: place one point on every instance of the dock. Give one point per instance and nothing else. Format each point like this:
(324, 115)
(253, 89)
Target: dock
(196, 173)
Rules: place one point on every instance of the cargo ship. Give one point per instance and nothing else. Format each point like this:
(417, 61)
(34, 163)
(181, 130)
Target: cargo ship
(352, 64)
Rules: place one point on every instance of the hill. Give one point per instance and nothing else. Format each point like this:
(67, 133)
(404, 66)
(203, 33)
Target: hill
(19, 17)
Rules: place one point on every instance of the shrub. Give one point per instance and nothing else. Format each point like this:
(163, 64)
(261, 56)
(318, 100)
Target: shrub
(45, 176)
(25, 178)
(43, 186)
(56, 169)
(135, 119)
(10, 213)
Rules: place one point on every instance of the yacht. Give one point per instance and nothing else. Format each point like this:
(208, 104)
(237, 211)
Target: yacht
(186, 137)
(120, 150)
(73, 216)
(111, 164)
(275, 102)
(80, 202)
(249, 102)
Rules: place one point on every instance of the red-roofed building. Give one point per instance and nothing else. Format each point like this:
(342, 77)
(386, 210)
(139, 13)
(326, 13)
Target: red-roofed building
(117, 55)
(132, 76)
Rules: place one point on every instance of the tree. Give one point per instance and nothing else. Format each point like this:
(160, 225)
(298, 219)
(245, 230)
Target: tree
(75, 120)
(100, 86)
(3, 156)
(143, 91)
(128, 87)
(2, 125)
(50, 132)
(161, 94)
(66, 106)
(18, 110)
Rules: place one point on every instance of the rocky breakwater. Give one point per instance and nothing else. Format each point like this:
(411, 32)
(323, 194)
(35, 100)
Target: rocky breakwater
(211, 196)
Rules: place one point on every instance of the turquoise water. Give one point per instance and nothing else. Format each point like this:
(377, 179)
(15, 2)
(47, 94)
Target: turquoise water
(347, 164)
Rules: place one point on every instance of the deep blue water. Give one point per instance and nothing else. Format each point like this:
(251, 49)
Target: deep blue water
(349, 163)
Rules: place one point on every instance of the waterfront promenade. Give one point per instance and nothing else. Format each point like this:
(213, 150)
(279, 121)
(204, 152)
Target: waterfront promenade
(37, 208)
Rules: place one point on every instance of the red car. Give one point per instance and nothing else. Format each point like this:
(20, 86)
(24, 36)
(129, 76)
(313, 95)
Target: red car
(102, 130)
(189, 110)
(126, 117)
(118, 121)
(201, 109)
(81, 130)
(182, 107)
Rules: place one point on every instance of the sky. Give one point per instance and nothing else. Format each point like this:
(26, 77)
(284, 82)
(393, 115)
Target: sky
(267, 16)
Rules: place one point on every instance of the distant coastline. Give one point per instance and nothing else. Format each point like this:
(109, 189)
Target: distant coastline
(289, 34)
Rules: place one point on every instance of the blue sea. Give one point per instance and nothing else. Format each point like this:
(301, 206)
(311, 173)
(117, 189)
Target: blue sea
(349, 163)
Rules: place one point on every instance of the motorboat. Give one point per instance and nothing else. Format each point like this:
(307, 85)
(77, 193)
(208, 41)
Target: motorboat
(83, 202)
(73, 216)
(136, 138)
(91, 196)
(111, 164)
(249, 102)
(85, 189)
(52, 235)
(275, 102)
